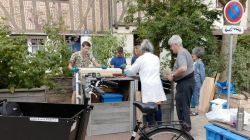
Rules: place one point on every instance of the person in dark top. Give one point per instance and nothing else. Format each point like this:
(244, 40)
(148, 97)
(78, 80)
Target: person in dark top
(136, 54)
(183, 75)
(118, 61)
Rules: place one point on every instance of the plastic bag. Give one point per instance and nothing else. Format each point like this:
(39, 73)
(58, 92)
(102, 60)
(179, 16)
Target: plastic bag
(222, 87)
(228, 116)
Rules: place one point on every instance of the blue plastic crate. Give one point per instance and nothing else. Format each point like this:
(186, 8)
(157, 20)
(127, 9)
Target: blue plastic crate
(232, 136)
(111, 97)
(217, 133)
(214, 132)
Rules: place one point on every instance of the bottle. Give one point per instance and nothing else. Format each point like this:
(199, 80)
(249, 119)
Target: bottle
(240, 119)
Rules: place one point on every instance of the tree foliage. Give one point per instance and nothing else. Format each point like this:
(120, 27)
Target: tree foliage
(21, 69)
(192, 20)
(104, 46)
(241, 64)
(13, 61)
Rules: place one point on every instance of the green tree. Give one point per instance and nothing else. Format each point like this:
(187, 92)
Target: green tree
(104, 46)
(192, 20)
(241, 64)
(56, 43)
(21, 69)
(13, 59)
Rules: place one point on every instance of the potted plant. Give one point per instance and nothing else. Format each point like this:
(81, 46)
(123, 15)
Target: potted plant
(21, 69)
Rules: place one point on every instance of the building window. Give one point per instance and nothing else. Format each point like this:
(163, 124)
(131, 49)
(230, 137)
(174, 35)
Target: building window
(35, 43)
(74, 42)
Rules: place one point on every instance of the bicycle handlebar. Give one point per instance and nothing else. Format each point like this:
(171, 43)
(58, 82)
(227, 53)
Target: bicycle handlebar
(97, 89)
(95, 85)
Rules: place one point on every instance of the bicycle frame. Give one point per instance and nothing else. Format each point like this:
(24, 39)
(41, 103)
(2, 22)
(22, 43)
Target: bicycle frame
(142, 133)
(156, 127)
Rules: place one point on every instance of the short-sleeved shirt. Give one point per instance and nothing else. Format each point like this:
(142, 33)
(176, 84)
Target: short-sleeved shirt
(184, 58)
(118, 61)
(80, 60)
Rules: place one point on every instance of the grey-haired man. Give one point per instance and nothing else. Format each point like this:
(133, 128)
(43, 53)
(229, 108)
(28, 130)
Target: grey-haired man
(183, 75)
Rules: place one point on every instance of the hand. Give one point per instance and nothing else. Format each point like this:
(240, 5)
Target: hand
(126, 73)
(104, 67)
(123, 66)
(74, 69)
(170, 77)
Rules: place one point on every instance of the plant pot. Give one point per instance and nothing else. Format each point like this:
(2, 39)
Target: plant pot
(24, 95)
(62, 92)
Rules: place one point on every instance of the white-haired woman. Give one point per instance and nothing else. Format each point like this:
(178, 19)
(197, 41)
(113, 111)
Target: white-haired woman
(148, 67)
(199, 76)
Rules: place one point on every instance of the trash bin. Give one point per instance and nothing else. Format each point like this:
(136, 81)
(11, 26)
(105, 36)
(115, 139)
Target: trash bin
(46, 121)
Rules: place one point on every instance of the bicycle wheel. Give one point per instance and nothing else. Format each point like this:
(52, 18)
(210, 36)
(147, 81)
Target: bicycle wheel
(167, 134)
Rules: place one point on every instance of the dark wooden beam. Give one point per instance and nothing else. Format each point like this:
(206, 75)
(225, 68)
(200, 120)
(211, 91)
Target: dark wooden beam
(80, 14)
(93, 16)
(71, 15)
(9, 16)
(101, 14)
(35, 14)
(23, 24)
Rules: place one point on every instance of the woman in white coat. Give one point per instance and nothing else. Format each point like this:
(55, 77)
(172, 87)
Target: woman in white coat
(148, 67)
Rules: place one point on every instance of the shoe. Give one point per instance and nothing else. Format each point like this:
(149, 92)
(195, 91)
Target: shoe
(194, 113)
(186, 127)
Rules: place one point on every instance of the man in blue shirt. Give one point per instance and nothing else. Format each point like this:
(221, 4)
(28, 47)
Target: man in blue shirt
(118, 61)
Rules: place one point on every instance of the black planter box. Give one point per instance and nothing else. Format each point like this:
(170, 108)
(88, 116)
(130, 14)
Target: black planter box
(46, 121)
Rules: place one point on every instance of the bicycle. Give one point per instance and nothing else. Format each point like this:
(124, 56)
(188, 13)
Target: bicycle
(156, 132)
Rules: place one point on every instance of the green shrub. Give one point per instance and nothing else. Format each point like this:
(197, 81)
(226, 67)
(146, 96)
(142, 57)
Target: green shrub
(241, 64)
(20, 69)
(105, 46)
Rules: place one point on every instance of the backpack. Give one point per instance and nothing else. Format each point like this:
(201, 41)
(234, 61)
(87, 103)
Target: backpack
(10, 109)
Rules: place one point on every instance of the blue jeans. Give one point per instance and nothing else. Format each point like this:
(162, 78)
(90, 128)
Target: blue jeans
(196, 95)
(156, 116)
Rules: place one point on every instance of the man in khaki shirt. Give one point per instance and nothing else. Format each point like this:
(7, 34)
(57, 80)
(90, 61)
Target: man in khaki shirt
(80, 59)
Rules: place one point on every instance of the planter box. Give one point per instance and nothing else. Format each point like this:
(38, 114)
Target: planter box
(24, 95)
(61, 94)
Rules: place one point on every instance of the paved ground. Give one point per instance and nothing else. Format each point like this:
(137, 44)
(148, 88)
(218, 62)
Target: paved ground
(198, 131)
